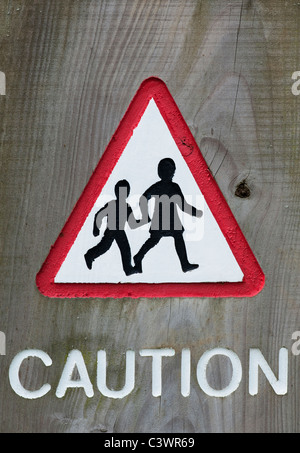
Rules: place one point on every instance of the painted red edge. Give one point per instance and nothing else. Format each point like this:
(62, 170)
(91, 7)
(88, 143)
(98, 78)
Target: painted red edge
(254, 278)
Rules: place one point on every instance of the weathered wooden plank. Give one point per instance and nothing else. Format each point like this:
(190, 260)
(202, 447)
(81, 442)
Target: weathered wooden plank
(71, 69)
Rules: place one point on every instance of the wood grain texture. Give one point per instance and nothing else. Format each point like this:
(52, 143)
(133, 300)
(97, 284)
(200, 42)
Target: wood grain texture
(72, 68)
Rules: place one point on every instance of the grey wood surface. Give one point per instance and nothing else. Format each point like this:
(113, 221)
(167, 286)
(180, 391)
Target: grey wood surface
(72, 68)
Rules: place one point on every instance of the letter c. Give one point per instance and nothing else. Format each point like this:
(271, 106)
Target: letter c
(14, 378)
(149, 442)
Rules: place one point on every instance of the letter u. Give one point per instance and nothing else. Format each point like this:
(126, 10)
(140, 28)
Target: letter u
(129, 376)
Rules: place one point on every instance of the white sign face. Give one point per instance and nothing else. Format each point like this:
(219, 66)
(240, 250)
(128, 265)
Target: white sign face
(205, 244)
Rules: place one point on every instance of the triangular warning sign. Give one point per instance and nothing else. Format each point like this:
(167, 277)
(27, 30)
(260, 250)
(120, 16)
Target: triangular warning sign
(151, 221)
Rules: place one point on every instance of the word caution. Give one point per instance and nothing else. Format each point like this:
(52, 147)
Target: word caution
(75, 363)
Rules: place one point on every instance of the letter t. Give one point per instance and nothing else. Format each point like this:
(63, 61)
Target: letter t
(156, 355)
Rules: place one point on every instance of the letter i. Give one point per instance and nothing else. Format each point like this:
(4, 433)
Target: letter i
(185, 372)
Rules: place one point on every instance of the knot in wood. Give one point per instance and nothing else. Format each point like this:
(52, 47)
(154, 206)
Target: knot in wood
(242, 190)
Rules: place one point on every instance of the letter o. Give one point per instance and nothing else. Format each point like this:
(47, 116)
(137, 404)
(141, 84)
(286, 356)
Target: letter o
(236, 372)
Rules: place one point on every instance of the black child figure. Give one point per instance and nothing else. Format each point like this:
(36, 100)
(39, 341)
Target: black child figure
(118, 212)
(165, 220)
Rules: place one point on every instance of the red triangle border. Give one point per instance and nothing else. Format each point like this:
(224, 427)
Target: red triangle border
(254, 278)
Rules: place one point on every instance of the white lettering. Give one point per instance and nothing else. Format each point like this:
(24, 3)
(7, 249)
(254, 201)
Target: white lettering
(74, 359)
(157, 355)
(185, 372)
(75, 363)
(257, 360)
(129, 376)
(14, 377)
(236, 372)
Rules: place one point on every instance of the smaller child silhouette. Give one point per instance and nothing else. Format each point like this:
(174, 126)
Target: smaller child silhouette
(118, 213)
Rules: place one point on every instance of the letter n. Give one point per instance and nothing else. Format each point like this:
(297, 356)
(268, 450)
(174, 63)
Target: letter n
(257, 360)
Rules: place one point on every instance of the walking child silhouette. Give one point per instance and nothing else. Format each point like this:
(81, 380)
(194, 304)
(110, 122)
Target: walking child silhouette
(118, 212)
(165, 220)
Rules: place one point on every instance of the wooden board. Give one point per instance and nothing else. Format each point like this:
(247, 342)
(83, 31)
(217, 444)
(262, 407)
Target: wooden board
(71, 69)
